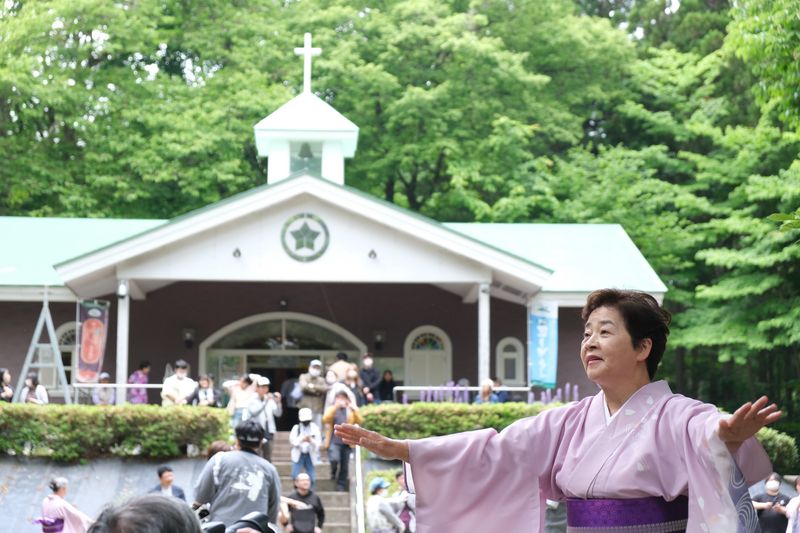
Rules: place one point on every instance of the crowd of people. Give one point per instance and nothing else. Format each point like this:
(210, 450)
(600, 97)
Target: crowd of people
(241, 478)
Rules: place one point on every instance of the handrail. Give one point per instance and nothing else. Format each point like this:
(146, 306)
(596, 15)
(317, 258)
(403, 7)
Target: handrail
(360, 522)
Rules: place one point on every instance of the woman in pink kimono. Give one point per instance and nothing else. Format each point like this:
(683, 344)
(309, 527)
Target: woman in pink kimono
(55, 507)
(634, 458)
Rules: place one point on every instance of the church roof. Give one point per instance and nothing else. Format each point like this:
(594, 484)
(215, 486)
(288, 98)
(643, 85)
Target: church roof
(582, 257)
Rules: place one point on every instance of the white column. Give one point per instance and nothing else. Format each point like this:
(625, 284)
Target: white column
(123, 327)
(484, 331)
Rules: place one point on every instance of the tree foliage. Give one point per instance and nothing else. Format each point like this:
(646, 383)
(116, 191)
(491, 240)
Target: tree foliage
(676, 120)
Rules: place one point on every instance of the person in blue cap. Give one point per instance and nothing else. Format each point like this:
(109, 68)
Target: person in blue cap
(380, 516)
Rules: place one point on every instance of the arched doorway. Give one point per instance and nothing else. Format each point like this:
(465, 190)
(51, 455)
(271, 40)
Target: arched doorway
(428, 357)
(277, 345)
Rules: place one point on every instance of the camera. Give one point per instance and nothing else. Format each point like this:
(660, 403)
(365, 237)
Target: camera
(255, 520)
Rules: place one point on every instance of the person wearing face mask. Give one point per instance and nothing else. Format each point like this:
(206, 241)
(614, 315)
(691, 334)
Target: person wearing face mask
(380, 515)
(370, 379)
(305, 438)
(178, 386)
(771, 506)
(315, 388)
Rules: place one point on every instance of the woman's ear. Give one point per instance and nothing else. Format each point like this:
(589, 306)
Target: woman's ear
(645, 345)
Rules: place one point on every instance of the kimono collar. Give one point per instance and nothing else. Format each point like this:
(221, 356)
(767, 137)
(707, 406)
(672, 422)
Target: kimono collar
(655, 389)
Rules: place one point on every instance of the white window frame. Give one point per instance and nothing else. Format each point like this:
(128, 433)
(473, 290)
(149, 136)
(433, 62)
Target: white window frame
(519, 356)
(447, 350)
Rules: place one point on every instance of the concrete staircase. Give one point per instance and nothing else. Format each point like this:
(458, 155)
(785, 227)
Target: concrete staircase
(337, 504)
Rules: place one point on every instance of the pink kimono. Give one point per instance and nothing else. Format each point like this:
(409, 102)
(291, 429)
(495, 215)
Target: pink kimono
(75, 521)
(658, 444)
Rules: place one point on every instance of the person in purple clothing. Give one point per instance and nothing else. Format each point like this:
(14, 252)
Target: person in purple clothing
(139, 377)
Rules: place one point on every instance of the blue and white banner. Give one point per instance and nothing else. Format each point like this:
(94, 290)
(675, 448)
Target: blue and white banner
(543, 343)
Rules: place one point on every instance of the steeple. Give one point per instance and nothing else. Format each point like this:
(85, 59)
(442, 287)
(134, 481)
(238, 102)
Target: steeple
(306, 133)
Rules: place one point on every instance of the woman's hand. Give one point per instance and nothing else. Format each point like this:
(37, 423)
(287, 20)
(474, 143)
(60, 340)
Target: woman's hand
(374, 442)
(746, 422)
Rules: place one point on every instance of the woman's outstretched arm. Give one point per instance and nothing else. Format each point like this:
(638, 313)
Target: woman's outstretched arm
(746, 422)
(374, 442)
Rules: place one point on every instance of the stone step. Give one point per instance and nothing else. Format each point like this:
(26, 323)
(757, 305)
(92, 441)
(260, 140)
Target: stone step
(337, 527)
(322, 470)
(323, 484)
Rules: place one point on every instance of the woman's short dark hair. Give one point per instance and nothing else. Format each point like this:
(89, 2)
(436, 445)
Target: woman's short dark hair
(34, 377)
(644, 319)
(152, 513)
(144, 364)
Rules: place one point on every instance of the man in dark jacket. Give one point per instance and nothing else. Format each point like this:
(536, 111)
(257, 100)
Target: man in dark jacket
(165, 486)
(370, 379)
(310, 517)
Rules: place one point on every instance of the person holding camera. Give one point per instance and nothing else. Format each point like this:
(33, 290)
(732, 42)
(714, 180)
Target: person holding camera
(341, 412)
(264, 407)
(239, 482)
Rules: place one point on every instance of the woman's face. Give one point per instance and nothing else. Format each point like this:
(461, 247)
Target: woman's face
(7, 377)
(28, 382)
(607, 351)
(387, 376)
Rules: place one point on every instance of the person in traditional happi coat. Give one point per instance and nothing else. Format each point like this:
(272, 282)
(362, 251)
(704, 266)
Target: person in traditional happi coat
(55, 507)
(634, 457)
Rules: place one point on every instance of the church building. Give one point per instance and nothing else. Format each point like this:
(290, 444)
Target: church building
(305, 267)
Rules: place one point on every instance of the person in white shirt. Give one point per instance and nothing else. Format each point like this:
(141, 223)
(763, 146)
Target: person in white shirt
(178, 386)
(305, 438)
(264, 407)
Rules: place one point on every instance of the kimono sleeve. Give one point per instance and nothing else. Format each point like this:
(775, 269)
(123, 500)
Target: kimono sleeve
(484, 479)
(718, 481)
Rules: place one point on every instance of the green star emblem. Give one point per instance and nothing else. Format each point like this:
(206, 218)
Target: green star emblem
(304, 237)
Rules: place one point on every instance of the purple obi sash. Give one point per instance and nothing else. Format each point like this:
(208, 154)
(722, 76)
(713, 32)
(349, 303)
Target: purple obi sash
(636, 514)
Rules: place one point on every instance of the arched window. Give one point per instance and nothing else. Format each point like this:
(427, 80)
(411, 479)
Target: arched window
(428, 357)
(278, 340)
(510, 362)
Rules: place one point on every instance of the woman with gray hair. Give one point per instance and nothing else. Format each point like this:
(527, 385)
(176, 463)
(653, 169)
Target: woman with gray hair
(57, 509)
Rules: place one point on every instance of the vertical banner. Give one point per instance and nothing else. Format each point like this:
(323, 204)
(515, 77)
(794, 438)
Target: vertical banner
(542, 343)
(92, 334)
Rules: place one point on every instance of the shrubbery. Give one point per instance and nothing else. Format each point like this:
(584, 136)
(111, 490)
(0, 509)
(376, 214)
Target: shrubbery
(71, 432)
(419, 420)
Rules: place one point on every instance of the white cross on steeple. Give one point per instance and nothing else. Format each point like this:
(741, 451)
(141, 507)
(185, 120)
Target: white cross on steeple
(307, 52)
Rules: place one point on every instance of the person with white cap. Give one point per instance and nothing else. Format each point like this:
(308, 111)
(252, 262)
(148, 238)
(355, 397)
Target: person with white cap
(264, 407)
(380, 516)
(305, 438)
(103, 395)
(314, 389)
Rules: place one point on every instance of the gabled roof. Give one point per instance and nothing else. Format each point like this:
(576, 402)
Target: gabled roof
(579, 257)
(86, 270)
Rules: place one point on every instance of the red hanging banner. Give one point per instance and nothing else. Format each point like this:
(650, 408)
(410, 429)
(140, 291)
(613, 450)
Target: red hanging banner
(93, 317)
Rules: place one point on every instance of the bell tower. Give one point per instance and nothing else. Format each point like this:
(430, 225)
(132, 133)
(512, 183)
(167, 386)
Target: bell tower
(306, 134)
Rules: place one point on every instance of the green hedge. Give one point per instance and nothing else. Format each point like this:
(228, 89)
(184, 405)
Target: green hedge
(72, 432)
(419, 420)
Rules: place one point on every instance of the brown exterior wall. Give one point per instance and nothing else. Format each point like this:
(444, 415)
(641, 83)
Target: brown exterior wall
(396, 309)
